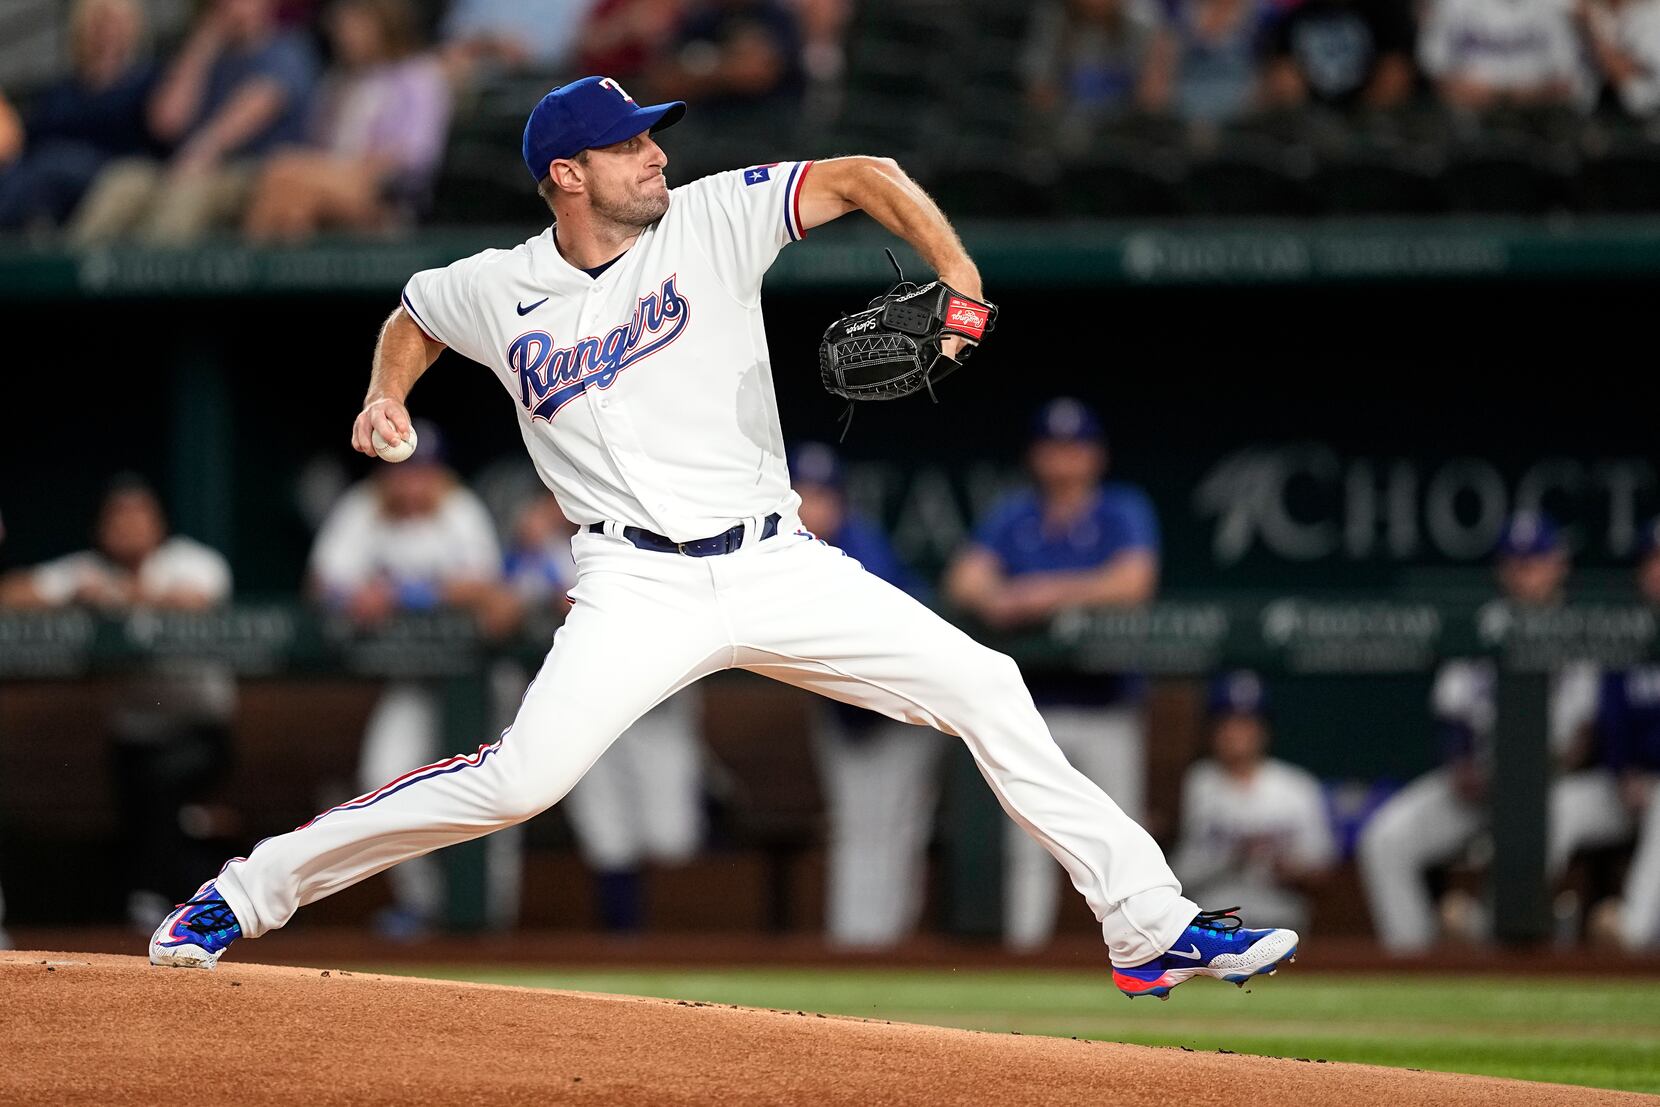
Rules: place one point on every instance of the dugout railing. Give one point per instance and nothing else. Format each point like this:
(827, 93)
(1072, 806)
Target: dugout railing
(1182, 637)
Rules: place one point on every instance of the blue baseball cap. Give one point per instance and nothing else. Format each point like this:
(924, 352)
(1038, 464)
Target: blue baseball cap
(1065, 419)
(1239, 692)
(594, 111)
(816, 463)
(1528, 534)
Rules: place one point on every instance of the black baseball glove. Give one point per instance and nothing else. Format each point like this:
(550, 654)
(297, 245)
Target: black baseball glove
(892, 348)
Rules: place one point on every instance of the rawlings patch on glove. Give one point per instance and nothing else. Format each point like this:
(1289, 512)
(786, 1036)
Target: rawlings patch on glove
(893, 347)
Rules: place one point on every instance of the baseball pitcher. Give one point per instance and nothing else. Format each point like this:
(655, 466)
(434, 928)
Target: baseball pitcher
(629, 335)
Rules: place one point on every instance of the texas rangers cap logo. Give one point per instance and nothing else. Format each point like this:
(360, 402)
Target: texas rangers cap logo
(607, 82)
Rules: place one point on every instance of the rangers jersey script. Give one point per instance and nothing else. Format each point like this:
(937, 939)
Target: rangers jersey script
(644, 394)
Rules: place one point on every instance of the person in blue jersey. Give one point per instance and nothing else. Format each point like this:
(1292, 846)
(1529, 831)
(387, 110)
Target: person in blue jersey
(880, 777)
(1613, 800)
(1074, 539)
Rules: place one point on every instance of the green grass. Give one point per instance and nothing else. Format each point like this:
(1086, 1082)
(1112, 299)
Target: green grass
(1601, 1033)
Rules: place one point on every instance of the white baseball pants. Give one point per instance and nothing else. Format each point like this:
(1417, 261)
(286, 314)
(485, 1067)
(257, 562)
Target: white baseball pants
(406, 730)
(1425, 824)
(643, 801)
(1109, 746)
(1586, 810)
(881, 786)
(646, 624)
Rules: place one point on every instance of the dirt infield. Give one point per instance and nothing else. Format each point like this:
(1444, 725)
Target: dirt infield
(85, 1028)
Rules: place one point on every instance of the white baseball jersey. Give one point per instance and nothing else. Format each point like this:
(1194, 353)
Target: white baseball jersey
(157, 698)
(1634, 28)
(645, 394)
(1507, 44)
(1465, 693)
(359, 542)
(1280, 808)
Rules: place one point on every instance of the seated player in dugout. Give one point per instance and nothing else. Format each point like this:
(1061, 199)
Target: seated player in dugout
(1073, 539)
(662, 440)
(1254, 828)
(1616, 799)
(1442, 817)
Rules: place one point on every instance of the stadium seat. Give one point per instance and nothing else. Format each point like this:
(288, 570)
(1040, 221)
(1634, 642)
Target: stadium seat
(1376, 182)
(990, 191)
(1108, 186)
(1623, 178)
(1249, 175)
(1516, 181)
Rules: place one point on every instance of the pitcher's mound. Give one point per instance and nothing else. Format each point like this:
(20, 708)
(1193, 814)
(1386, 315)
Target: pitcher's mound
(85, 1028)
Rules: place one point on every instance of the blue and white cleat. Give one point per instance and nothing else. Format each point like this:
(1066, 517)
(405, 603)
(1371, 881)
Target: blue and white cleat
(1215, 944)
(196, 932)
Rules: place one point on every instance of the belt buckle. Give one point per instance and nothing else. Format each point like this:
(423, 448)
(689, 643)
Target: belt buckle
(680, 547)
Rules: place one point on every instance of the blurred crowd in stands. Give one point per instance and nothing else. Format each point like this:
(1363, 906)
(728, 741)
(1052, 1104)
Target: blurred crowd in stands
(1251, 829)
(284, 118)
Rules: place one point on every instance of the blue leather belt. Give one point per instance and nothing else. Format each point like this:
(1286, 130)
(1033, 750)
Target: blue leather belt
(723, 543)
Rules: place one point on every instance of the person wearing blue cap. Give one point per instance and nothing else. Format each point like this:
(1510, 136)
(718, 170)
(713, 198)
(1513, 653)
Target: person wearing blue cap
(631, 338)
(1616, 799)
(1438, 817)
(1073, 540)
(880, 776)
(410, 538)
(1254, 829)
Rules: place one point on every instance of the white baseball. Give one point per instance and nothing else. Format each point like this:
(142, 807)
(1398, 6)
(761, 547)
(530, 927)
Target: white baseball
(389, 452)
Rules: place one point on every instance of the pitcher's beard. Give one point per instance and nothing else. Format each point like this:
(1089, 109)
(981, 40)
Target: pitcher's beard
(633, 211)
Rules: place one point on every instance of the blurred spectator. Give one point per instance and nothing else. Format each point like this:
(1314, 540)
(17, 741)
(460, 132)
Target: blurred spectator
(11, 132)
(1341, 53)
(512, 35)
(376, 138)
(5, 938)
(1435, 819)
(730, 54)
(411, 538)
(623, 36)
(540, 568)
(823, 36)
(1613, 801)
(78, 123)
(881, 777)
(1072, 542)
(1086, 60)
(1485, 54)
(1254, 828)
(169, 724)
(642, 802)
(1623, 37)
(1203, 64)
(239, 88)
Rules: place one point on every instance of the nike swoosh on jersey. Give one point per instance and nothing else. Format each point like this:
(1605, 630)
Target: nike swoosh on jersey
(527, 310)
(1194, 956)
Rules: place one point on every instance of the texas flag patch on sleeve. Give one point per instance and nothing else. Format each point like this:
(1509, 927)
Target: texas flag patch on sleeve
(965, 316)
(757, 174)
